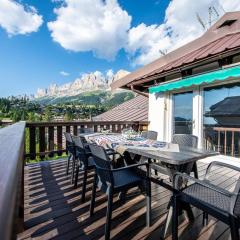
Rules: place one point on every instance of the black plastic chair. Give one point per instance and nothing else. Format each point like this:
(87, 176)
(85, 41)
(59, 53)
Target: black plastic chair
(211, 199)
(85, 163)
(70, 151)
(187, 140)
(150, 135)
(118, 180)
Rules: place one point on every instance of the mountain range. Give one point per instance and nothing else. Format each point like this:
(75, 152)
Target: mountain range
(87, 82)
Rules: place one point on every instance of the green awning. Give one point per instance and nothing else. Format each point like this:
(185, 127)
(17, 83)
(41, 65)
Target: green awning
(210, 77)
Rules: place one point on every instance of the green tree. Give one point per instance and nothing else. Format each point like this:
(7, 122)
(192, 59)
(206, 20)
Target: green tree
(48, 115)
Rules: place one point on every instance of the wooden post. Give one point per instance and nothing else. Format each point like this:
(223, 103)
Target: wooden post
(32, 142)
(75, 130)
(51, 141)
(225, 142)
(68, 129)
(113, 128)
(59, 140)
(42, 144)
(233, 147)
(219, 142)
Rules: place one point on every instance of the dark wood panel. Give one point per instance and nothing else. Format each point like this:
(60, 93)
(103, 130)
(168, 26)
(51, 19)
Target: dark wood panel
(59, 140)
(32, 142)
(75, 130)
(51, 141)
(11, 179)
(46, 147)
(42, 142)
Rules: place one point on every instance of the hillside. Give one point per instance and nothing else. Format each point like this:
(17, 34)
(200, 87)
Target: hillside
(95, 97)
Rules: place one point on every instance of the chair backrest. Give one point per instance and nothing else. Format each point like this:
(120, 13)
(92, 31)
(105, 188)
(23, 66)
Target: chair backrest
(187, 140)
(103, 164)
(235, 204)
(68, 137)
(78, 142)
(150, 135)
(80, 150)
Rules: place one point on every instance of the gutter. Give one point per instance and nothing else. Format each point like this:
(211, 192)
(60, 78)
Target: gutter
(139, 92)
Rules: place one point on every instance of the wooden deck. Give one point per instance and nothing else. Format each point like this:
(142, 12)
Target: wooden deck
(53, 209)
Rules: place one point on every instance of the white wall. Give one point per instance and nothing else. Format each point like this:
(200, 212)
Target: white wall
(198, 116)
(161, 117)
(156, 115)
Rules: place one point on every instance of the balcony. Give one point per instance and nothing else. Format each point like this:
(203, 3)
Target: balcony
(38, 201)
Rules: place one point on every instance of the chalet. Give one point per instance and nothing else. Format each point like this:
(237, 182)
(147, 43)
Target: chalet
(186, 85)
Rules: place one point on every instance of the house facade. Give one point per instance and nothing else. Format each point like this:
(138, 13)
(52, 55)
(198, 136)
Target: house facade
(186, 85)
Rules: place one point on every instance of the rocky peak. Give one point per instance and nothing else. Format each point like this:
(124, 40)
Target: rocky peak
(87, 82)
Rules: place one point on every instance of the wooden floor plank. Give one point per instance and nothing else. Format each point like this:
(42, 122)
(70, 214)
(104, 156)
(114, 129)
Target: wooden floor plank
(53, 208)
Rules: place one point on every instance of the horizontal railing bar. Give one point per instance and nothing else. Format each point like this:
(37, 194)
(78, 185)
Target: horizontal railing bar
(77, 123)
(11, 179)
(226, 129)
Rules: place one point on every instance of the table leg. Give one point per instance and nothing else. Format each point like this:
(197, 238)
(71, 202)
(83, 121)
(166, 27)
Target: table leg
(181, 217)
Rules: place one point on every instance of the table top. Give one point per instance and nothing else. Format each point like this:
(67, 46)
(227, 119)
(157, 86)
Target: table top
(168, 153)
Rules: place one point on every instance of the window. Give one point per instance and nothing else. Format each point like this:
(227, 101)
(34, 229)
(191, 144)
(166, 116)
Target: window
(222, 112)
(182, 113)
(227, 23)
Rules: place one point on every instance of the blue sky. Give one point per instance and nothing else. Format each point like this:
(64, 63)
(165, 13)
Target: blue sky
(81, 36)
(30, 61)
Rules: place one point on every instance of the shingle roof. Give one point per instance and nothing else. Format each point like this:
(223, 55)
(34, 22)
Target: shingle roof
(216, 40)
(218, 46)
(135, 109)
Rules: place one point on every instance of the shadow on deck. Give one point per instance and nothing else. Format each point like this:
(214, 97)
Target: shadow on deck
(53, 209)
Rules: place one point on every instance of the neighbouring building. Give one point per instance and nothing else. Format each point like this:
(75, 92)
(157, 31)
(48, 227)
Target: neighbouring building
(195, 89)
(134, 110)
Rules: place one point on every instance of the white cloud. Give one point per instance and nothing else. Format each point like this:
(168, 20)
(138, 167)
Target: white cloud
(146, 43)
(103, 27)
(91, 25)
(16, 18)
(65, 74)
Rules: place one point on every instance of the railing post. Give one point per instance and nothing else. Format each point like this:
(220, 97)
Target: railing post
(51, 141)
(233, 148)
(113, 128)
(59, 140)
(75, 128)
(42, 144)
(32, 142)
(225, 142)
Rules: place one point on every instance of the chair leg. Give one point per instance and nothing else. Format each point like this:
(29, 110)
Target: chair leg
(92, 204)
(76, 176)
(195, 170)
(156, 172)
(68, 163)
(84, 184)
(109, 215)
(205, 219)
(234, 226)
(175, 218)
(73, 168)
(148, 198)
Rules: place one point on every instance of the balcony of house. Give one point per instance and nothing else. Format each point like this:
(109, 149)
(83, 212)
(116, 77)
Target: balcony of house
(38, 199)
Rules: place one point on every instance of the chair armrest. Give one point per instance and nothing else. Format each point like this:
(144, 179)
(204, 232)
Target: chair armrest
(130, 166)
(200, 182)
(111, 152)
(220, 164)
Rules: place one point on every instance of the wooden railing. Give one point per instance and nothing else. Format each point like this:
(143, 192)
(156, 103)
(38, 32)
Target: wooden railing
(227, 140)
(46, 139)
(11, 180)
